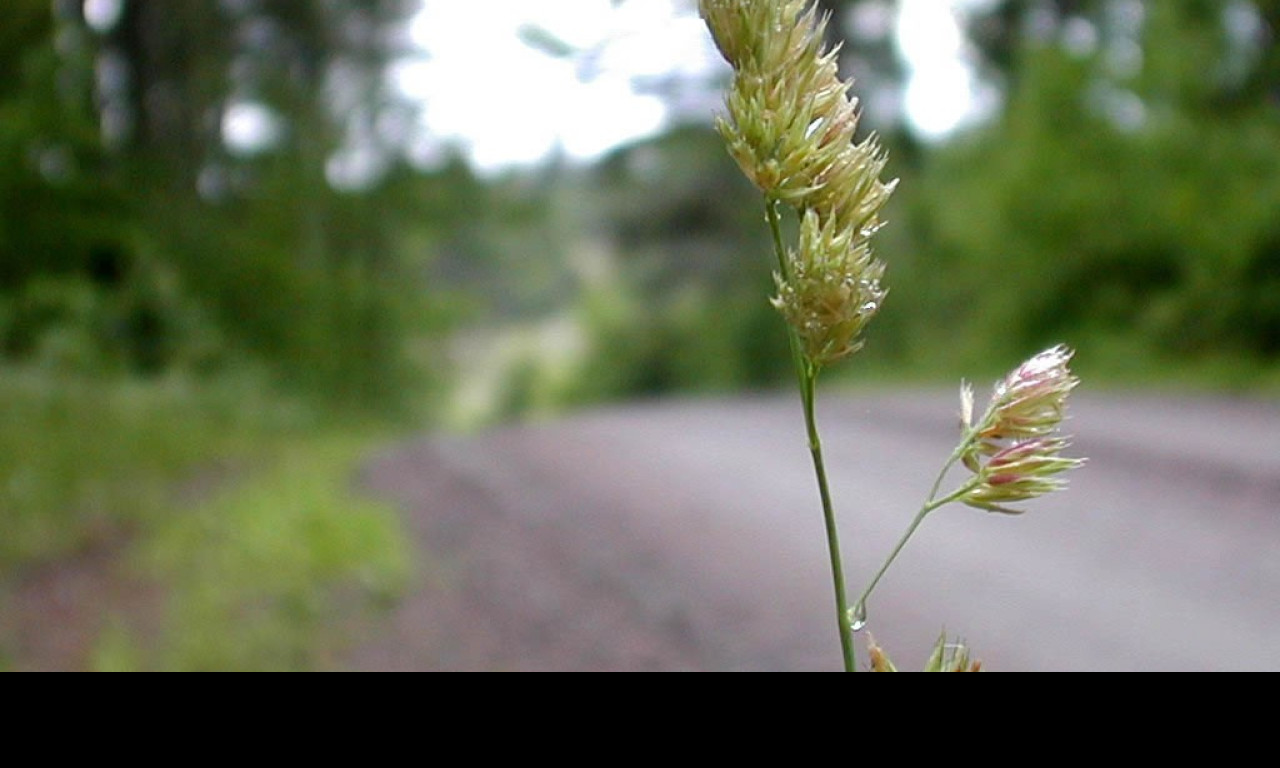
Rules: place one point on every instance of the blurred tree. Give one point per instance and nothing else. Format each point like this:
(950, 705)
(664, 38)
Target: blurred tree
(213, 174)
(190, 83)
(865, 30)
(1262, 84)
(162, 83)
(1209, 53)
(1126, 193)
(1002, 28)
(690, 308)
(61, 224)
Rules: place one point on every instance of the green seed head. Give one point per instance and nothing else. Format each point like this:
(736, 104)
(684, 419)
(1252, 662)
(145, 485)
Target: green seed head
(831, 291)
(790, 125)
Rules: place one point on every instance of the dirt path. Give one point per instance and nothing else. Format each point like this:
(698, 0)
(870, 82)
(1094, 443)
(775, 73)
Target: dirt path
(506, 590)
(684, 536)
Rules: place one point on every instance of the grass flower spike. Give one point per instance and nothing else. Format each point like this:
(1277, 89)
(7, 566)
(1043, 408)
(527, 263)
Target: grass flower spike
(790, 125)
(791, 121)
(790, 117)
(1018, 435)
(1021, 472)
(1014, 451)
(946, 657)
(1031, 401)
(832, 292)
(791, 128)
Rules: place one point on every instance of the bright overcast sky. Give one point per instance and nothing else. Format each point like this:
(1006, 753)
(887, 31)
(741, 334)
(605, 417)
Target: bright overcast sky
(508, 103)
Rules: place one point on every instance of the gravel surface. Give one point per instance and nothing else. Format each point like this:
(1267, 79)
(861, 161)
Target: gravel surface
(687, 536)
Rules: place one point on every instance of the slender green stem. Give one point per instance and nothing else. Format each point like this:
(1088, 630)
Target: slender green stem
(969, 436)
(860, 607)
(807, 376)
(833, 534)
(784, 269)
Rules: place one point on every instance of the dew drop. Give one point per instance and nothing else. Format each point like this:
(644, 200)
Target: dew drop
(858, 617)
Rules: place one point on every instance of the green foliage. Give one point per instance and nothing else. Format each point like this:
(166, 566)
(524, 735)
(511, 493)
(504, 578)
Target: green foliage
(172, 312)
(117, 650)
(691, 341)
(336, 328)
(238, 502)
(1060, 223)
(81, 459)
(262, 577)
(132, 241)
(686, 307)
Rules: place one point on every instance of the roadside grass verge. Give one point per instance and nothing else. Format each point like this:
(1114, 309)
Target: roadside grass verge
(81, 460)
(235, 503)
(265, 575)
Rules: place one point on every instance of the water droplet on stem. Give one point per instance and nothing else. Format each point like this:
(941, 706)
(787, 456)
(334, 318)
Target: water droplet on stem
(858, 617)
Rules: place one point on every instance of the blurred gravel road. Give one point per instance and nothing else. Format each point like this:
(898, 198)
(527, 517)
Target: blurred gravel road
(687, 536)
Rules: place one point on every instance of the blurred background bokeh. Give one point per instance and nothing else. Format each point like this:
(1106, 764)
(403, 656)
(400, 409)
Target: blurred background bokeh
(243, 241)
